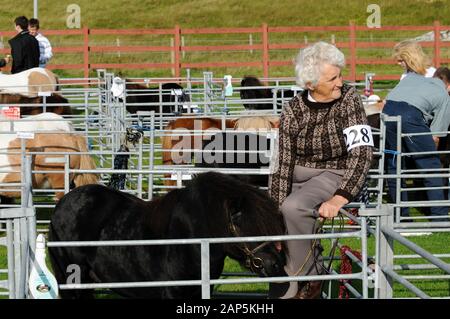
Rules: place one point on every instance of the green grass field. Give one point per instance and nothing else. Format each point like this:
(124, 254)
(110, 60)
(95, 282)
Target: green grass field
(122, 14)
(436, 243)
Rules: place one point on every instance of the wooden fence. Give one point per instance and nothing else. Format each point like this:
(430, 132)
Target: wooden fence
(266, 60)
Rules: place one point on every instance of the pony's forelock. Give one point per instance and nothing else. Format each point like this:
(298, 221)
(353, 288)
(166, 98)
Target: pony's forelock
(259, 213)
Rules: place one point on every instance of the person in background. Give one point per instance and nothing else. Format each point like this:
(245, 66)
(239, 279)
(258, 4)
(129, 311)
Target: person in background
(325, 152)
(443, 73)
(4, 61)
(424, 106)
(411, 58)
(45, 47)
(24, 47)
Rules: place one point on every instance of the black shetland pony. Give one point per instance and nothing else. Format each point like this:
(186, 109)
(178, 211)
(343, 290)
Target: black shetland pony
(260, 93)
(141, 94)
(211, 205)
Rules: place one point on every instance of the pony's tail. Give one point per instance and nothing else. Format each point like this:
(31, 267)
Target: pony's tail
(86, 162)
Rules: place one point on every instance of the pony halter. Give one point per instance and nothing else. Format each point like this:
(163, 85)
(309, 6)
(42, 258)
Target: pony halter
(251, 261)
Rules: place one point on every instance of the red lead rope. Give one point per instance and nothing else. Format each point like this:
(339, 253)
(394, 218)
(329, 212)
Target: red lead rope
(346, 268)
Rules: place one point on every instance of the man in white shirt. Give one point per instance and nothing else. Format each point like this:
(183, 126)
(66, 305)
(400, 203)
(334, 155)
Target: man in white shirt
(44, 45)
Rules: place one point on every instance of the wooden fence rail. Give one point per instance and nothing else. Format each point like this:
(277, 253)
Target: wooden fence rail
(265, 61)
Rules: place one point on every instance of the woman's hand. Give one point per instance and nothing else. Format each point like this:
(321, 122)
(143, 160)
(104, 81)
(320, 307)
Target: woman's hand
(331, 207)
(436, 140)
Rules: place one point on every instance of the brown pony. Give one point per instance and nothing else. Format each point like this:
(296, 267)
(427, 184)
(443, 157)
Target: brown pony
(51, 100)
(45, 142)
(188, 125)
(174, 144)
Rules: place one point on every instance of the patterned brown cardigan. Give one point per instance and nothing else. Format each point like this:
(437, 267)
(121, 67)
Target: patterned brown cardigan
(311, 135)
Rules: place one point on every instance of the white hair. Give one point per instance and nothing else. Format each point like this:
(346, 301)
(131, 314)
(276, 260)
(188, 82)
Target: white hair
(309, 61)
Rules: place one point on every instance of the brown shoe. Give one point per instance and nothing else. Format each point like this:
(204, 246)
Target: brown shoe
(309, 290)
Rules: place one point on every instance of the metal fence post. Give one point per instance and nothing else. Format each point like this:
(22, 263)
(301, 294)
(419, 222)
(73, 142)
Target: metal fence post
(140, 161)
(365, 279)
(66, 173)
(206, 285)
(386, 257)
(151, 155)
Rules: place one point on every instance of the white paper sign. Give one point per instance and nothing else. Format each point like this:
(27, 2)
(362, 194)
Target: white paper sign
(358, 135)
(184, 177)
(25, 135)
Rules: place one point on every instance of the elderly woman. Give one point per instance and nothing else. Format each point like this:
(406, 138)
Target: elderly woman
(325, 151)
(424, 105)
(411, 58)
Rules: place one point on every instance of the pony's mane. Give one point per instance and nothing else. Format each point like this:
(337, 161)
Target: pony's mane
(260, 214)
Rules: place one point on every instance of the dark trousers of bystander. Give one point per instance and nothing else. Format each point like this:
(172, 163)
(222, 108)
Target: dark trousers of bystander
(413, 121)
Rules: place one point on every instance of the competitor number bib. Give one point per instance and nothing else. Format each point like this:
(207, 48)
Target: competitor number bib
(358, 135)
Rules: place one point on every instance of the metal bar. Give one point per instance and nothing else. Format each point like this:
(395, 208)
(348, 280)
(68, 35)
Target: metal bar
(151, 155)
(365, 284)
(10, 253)
(414, 267)
(350, 288)
(198, 241)
(417, 249)
(17, 258)
(140, 160)
(206, 284)
(66, 174)
(398, 159)
(418, 256)
(23, 232)
(386, 258)
(405, 283)
(142, 284)
(427, 277)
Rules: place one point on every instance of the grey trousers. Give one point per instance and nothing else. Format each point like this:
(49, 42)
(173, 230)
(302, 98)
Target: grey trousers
(310, 188)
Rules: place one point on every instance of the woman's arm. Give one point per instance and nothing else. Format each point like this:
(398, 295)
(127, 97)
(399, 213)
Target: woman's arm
(358, 159)
(280, 182)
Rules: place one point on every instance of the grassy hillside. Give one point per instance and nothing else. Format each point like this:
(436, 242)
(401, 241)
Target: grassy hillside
(121, 14)
(125, 14)
(230, 13)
